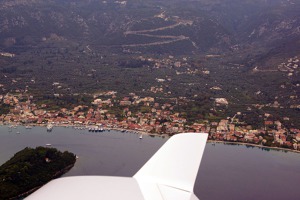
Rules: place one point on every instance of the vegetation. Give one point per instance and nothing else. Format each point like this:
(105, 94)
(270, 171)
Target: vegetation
(4, 109)
(95, 46)
(31, 168)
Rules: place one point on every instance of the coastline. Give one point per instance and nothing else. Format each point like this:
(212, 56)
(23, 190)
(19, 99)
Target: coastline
(253, 145)
(55, 176)
(85, 127)
(144, 133)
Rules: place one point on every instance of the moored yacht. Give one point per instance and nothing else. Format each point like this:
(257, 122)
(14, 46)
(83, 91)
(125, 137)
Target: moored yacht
(49, 127)
(28, 127)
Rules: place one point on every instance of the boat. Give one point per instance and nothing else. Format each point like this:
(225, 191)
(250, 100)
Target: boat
(28, 127)
(49, 127)
(18, 132)
(48, 145)
(141, 136)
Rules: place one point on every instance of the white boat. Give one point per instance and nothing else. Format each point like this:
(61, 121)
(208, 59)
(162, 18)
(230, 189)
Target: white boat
(141, 136)
(49, 127)
(28, 127)
(48, 145)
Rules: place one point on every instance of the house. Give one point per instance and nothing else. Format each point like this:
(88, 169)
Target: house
(269, 123)
(249, 137)
(125, 103)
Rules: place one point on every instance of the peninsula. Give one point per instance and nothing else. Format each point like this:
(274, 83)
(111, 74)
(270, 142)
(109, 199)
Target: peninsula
(31, 168)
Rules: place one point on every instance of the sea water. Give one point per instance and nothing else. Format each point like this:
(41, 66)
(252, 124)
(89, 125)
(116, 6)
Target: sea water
(230, 172)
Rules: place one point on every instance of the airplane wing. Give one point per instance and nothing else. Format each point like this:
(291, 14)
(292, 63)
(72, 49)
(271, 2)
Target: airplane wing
(170, 174)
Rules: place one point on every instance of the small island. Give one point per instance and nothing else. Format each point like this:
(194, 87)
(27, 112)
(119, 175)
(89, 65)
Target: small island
(31, 168)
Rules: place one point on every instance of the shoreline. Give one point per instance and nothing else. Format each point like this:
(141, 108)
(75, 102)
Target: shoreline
(55, 176)
(254, 145)
(144, 133)
(85, 128)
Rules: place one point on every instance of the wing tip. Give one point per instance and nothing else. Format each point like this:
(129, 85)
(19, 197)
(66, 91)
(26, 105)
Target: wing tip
(177, 162)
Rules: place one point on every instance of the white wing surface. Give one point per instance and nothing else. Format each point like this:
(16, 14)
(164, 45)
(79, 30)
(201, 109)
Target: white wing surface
(169, 175)
(89, 188)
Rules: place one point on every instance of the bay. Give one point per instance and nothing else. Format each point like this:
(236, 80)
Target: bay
(232, 172)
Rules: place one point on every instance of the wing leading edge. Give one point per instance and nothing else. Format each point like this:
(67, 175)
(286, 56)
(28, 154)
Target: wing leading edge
(169, 175)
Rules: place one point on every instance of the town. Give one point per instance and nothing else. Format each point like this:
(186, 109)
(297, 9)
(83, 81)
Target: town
(145, 115)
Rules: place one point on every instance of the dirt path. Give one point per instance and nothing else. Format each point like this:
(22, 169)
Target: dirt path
(169, 38)
(156, 43)
(154, 30)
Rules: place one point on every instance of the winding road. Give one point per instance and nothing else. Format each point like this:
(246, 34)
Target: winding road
(169, 38)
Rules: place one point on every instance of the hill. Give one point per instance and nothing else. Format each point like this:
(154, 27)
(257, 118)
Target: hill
(60, 53)
(30, 168)
(200, 26)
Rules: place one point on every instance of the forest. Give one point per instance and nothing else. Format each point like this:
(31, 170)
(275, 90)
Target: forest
(31, 168)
